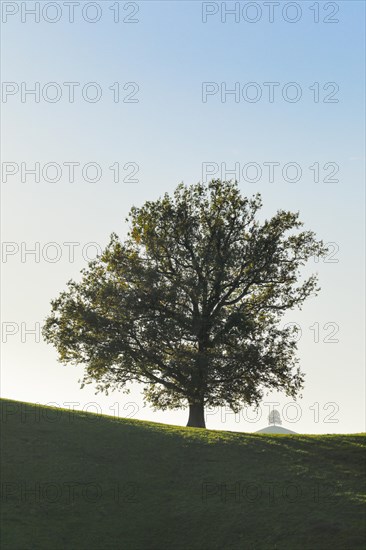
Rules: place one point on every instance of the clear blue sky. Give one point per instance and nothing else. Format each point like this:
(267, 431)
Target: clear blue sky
(169, 133)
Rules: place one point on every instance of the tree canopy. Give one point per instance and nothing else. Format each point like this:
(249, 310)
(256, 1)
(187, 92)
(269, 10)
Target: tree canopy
(189, 303)
(274, 417)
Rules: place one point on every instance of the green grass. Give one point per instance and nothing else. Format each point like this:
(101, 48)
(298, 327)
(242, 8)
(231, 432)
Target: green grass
(176, 486)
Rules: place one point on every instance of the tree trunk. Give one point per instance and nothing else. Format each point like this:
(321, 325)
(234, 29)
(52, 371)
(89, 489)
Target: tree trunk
(196, 415)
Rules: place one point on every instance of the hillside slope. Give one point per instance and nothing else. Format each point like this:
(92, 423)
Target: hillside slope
(77, 481)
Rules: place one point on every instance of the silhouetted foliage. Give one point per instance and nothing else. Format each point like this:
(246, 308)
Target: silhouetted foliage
(189, 304)
(274, 417)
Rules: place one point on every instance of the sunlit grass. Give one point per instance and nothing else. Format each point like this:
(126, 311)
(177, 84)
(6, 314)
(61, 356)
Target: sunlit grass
(178, 488)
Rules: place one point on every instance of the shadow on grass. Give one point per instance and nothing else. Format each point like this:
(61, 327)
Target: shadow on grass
(77, 480)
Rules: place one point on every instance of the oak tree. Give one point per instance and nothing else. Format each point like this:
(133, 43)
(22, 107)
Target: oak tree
(190, 303)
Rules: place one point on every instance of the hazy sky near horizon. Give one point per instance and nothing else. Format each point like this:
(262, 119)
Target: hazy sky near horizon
(180, 91)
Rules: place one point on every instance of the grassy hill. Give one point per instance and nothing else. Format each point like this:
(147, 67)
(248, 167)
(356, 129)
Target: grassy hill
(275, 430)
(77, 481)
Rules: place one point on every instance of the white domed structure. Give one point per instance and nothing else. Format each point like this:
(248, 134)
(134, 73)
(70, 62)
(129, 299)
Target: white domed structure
(275, 430)
(274, 418)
